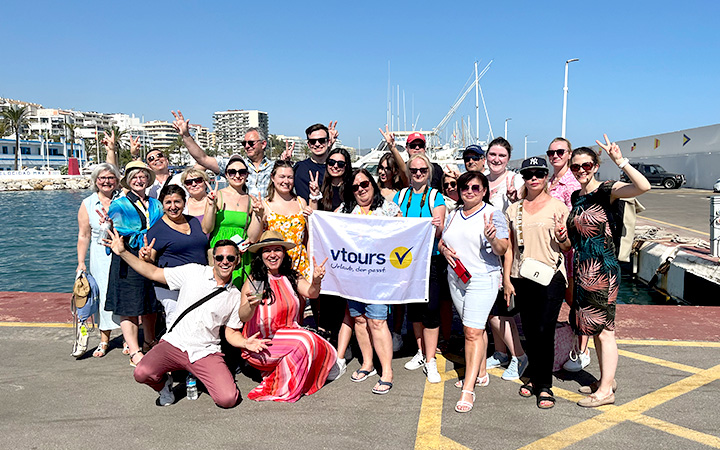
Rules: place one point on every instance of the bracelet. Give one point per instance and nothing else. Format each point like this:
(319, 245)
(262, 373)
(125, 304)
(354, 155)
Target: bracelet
(316, 197)
(623, 163)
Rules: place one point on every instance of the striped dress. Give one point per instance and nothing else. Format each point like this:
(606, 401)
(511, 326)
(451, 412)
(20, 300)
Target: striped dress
(298, 361)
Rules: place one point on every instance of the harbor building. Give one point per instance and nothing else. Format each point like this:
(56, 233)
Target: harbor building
(40, 154)
(162, 134)
(300, 151)
(230, 127)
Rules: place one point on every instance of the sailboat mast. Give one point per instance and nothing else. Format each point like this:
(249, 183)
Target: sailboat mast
(477, 105)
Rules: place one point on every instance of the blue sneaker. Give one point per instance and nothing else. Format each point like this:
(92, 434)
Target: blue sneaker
(516, 368)
(497, 359)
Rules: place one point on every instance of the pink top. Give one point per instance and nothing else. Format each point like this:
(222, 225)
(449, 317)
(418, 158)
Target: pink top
(564, 187)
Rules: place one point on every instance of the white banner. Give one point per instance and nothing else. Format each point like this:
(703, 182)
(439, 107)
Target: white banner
(373, 259)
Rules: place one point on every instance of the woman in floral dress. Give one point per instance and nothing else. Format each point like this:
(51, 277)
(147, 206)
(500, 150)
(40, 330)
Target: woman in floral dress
(597, 270)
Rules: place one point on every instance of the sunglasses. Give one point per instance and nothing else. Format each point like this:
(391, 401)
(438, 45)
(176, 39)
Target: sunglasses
(416, 145)
(586, 166)
(469, 158)
(451, 184)
(230, 258)
(249, 143)
(192, 181)
(234, 172)
(559, 152)
(317, 141)
(153, 158)
(385, 168)
(338, 163)
(529, 174)
(422, 170)
(362, 184)
(475, 188)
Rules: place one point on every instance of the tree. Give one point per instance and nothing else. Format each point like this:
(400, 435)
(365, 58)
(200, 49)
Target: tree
(174, 150)
(71, 127)
(4, 127)
(16, 117)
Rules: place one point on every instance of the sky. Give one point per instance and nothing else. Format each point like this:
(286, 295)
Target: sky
(645, 67)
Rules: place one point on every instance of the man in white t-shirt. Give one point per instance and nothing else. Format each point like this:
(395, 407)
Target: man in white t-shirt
(193, 344)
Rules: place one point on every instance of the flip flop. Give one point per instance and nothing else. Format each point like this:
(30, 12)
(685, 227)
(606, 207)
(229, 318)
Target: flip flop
(365, 375)
(375, 389)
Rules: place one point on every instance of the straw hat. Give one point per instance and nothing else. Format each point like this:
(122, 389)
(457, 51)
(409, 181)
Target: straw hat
(137, 165)
(271, 238)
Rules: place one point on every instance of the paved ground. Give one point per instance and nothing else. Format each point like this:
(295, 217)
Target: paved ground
(687, 211)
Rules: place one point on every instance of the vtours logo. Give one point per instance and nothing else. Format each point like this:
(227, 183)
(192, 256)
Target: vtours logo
(400, 258)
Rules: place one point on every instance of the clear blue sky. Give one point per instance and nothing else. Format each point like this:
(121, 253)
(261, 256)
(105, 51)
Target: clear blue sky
(645, 67)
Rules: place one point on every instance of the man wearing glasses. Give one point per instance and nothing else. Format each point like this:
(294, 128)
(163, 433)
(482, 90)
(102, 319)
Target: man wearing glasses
(474, 158)
(158, 162)
(415, 144)
(320, 140)
(254, 143)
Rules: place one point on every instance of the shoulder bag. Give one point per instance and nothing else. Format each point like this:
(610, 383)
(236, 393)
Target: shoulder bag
(530, 268)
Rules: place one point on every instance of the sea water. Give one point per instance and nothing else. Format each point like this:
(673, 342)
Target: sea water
(38, 245)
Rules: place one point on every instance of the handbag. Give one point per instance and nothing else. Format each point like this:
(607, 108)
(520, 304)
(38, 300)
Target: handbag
(564, 344)
(530, 268)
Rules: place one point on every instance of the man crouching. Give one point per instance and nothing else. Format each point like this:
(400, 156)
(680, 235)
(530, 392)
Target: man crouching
(193, 342)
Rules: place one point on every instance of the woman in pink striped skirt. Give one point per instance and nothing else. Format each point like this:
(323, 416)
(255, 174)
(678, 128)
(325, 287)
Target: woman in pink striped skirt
(297, 361)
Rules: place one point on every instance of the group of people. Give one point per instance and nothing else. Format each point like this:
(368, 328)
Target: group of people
(235, 258)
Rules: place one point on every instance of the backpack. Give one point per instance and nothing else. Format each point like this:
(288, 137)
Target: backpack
(402, 196)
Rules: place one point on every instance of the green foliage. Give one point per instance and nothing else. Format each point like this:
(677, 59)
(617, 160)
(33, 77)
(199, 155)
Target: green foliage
(63, 170)
(16, 117)
(275, 147)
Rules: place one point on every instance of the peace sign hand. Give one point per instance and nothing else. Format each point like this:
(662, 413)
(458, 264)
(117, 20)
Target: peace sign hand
(109, 140)
(180, 124)
(135, 146)
(559, 229)
(319, 272)
(314, 184)
(145, 252)
(289, 148)
(333, 133)
(512, 193)
(490, 230)
(389, 136)
(257, 205)
(102, 212)
(612, 149)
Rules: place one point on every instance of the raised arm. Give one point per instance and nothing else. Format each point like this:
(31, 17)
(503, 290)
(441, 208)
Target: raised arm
(638, 183)
(402, 167)
(208, 222)
(183, 129)
(312, 290)
(110, 144)
(147, 270)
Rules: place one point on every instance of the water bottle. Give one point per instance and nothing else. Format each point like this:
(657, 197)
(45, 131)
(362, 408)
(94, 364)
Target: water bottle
(191, 387)
(103, 233)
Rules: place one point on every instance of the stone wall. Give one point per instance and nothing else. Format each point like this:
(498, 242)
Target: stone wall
(47, 184)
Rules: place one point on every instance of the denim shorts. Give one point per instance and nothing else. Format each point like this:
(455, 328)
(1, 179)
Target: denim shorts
(371, 311)
(473, 300)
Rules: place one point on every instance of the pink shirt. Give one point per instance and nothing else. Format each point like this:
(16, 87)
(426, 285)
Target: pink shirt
(563, 189)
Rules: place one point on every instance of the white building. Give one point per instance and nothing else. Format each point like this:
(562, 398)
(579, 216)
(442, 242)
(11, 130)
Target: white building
(39, 154)
(162, 134)
(299, 151)
(230, 127)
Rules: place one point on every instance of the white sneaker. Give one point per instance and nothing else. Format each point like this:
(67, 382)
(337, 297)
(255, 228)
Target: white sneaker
(397, 341)
(431, 370)
(577, 364)
(167, 397)
(337, 370)
(416, 362)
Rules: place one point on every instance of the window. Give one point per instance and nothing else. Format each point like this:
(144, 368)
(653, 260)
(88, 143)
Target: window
(25, 150)
(5, 150)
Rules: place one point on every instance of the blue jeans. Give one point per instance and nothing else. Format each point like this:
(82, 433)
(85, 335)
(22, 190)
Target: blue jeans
(371, 311)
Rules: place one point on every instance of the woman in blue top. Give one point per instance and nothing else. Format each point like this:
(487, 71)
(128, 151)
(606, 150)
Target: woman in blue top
(129, 294)
(420, 200)
(176, 239)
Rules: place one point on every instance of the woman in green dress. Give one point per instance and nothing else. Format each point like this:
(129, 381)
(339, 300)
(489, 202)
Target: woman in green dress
(229, 215)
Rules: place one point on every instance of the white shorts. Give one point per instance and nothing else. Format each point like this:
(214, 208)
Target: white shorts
(474, 300)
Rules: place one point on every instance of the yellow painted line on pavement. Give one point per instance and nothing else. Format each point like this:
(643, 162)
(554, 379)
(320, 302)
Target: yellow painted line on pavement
(629, 411)
(669, 343)
(677, 430)
(659, 362)
(36, 324)
(675, 226)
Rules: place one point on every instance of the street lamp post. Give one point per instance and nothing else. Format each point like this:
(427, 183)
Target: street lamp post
(565, 94)
(506, 121)
(526, 143)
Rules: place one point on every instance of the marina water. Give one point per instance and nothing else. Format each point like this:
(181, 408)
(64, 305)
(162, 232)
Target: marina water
(38, 245)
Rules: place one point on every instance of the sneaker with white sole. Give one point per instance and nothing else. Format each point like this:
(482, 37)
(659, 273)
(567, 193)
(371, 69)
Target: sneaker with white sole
(516, 368)
(167, 397)
(337, 370)
(431, 370)
(497, 359)
(397, 342)
(577, 364)
(416, 362)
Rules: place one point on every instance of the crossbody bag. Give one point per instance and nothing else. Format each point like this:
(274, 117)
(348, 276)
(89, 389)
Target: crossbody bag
(530, 268)
(195, 305)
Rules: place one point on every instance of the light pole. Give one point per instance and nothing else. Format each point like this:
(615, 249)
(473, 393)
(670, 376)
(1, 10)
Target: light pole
(565, 92)
(506, 121)
(526, 143)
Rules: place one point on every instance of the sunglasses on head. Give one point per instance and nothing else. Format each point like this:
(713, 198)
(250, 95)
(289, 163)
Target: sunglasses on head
(234, 172)
(230, 258)
(363, 184)
(416, 145)
(249, 143)
(468, 158)
(451, 184)
(334, 162)
(586, 166)
(191, 181)
(474, 187)
(317, 141)
(154, 157)
(422, 170)
(558, 152)
(529, 174)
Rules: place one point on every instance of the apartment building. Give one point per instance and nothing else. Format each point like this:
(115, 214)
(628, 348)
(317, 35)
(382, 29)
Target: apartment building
(230, 127)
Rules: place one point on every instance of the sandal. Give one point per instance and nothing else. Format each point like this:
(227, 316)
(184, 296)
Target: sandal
(126, 348)
(364, 375)
(526, 390)
(545, 398)
(101, 350)
(381, 383)
(463, 406)
(480, 381)
(132, 356)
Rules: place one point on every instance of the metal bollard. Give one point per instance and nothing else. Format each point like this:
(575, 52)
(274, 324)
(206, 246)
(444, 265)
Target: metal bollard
(715, 225)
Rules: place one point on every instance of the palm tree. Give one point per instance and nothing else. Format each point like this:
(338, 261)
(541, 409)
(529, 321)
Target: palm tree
(71, 127)
(3, 128)
(16, 117)
(175, 147)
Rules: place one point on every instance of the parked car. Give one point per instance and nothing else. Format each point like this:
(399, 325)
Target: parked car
(716, 186)
(658, 176)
